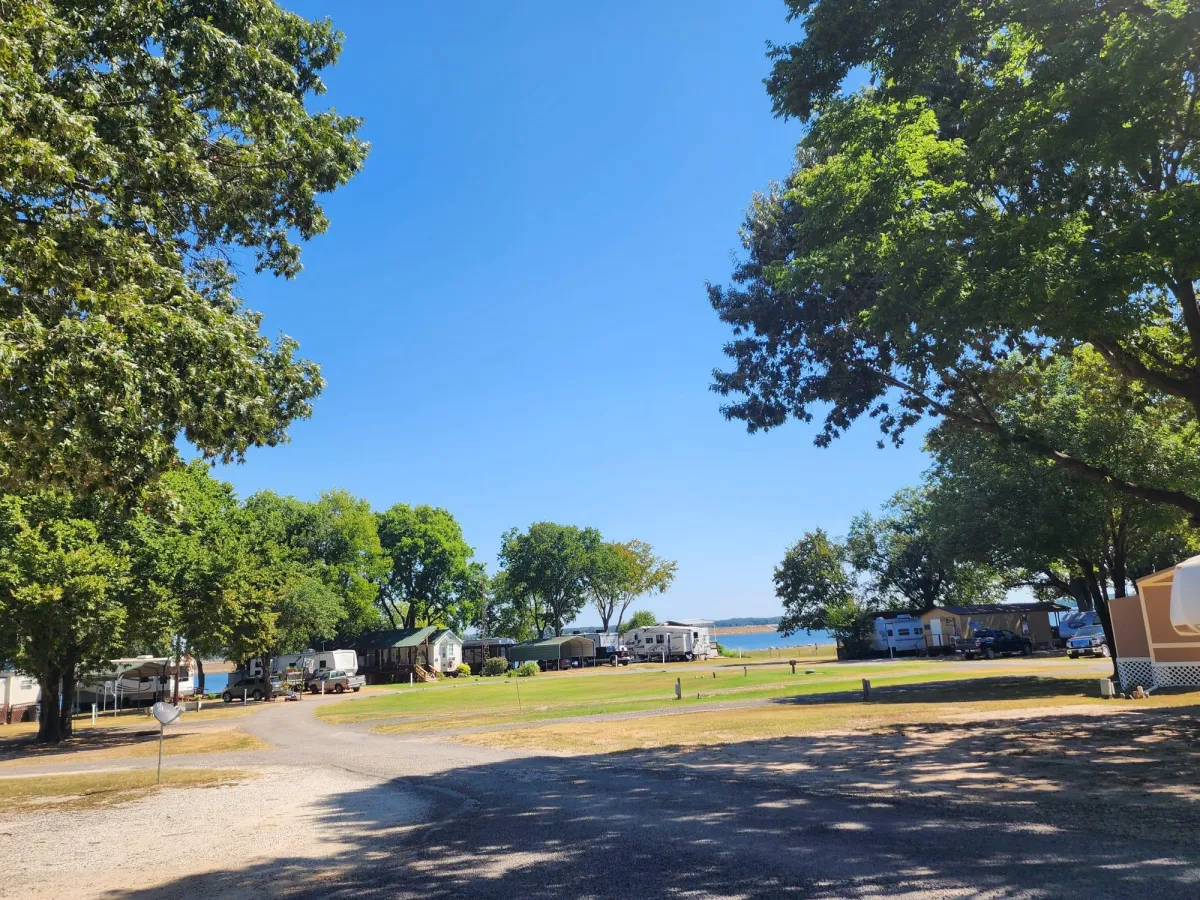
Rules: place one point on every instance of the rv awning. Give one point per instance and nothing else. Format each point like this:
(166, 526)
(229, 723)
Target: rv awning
(565, 647)
(394, 638)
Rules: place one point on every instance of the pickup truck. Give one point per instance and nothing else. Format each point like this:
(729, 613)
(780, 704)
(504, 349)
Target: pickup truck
(992, 642)
(335, 681)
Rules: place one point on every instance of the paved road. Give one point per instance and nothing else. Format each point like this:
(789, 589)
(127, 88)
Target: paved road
(507, 826)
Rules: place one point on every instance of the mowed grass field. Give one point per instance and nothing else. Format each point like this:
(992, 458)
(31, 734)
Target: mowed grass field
(489, 702)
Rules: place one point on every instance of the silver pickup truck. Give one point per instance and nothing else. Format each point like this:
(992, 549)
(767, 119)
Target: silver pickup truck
(335, 681)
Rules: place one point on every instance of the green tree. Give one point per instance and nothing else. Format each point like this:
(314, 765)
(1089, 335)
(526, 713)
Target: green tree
(905, 561)
(142, 147)
(430, 579)
(61, 591)
(641, 618)
(335, 542)
(1015, 179)
(510, 614)
(812, 580)
(547, 568)
(623, 572)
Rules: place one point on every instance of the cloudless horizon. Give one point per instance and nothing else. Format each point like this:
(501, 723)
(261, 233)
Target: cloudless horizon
(509, 304)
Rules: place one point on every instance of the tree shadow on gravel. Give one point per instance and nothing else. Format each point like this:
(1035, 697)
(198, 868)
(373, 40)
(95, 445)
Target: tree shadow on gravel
(1074, 806)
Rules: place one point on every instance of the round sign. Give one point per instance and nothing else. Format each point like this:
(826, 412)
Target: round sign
(166, 713)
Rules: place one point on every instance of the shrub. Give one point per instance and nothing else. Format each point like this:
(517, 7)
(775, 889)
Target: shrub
(495, 665)
(463, 669)
(528, 669)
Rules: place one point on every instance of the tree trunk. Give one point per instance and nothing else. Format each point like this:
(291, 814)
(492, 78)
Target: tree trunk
(200, 672)
(1083, 596)
(66, 721)
(49, 724)
(1105, 615)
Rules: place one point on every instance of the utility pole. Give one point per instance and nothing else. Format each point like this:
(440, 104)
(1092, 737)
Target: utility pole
(483, 605)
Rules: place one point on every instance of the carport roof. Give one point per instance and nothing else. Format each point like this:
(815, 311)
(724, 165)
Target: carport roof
(554, 648)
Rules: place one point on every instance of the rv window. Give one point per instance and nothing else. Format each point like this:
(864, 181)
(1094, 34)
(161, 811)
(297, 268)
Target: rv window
(890, 632)
(904, 631)
(324, 664)
(658, 638)
(695, 635)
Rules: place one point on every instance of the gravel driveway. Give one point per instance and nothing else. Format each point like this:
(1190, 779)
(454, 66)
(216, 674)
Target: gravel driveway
(343, 812)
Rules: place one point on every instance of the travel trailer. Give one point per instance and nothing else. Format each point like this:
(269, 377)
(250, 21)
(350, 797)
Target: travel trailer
(309, 661)
(135, 681)
(670, 641)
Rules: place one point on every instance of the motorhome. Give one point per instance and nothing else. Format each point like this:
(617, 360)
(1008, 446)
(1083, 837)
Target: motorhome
(1073, 621)
(670, 641)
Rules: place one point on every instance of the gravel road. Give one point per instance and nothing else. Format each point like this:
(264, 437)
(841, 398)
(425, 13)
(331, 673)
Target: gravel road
(357, 814)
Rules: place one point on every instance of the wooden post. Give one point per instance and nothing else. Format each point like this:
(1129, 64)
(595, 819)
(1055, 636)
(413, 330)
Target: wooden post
(160, 743)
(678, 690)
(793, 663)
(745, 671)
(866, 689)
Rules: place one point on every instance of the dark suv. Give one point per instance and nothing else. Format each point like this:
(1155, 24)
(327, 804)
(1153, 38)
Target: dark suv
(251, 688)
(992, 642)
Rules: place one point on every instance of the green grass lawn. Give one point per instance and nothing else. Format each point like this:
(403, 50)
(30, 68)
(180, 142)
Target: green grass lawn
(491, 701)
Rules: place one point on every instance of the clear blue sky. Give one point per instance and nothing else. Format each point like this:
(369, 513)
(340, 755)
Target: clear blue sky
(509, 306)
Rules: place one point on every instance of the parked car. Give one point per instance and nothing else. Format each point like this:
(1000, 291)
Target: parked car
(619, 657)
(1089, 641)
(250, 687)
(992, 642)
(335, 682)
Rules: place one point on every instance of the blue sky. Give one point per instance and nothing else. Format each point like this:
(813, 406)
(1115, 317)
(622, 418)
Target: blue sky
(509, 305)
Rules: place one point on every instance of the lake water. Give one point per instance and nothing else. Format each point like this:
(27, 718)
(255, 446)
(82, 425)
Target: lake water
(214, 683)
(761, 640)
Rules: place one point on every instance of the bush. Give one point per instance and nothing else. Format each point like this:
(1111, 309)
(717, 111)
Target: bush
(528, 669)
(495, 665)
(463, 669)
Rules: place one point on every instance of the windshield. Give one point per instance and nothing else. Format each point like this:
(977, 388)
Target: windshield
(1090, 631)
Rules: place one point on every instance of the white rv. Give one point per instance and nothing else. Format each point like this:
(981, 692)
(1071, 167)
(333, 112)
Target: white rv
(19, 696)
(135, 681)
(670, 641)
(312, 661)
(900, 634)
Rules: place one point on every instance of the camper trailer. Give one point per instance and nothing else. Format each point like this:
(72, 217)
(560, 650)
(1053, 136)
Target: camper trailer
(902, 633)
(310, 661)
(135, 681)
(670, 641)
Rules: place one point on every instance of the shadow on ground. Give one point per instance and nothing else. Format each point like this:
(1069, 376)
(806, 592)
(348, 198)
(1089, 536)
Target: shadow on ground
(1062, 807)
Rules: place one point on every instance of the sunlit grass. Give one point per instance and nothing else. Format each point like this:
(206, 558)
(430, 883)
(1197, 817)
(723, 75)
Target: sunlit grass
(94, 789)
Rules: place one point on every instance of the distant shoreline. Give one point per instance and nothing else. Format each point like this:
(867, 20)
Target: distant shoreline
(743, 629)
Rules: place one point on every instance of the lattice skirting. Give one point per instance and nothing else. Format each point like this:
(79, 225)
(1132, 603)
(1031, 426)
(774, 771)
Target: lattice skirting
(1148, 674)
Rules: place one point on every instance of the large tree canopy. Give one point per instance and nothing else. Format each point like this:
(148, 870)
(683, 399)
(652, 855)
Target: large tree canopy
(1017, 176)
(622, 572)
(142, 147)
(547, 569)
(429, 579)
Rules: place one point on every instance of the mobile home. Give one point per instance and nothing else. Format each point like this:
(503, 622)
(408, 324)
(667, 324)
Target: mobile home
(1157, 630)
(19, 697)
(396, 653)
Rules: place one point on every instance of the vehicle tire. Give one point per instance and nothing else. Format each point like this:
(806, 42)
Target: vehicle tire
(688, 657)
(968, 656)
(1104, 650)
(357, 689)
(337, 688)
(256, 695)
(1072, 656)
(989, 653)
(1027, 650)
(227, 697)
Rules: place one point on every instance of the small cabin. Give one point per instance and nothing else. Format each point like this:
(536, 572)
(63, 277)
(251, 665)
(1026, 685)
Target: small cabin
(1157, 630)
(397, 653)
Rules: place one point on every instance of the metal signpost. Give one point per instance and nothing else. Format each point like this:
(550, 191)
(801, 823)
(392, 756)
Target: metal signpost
(166, 713)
